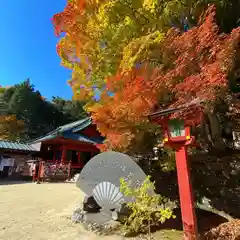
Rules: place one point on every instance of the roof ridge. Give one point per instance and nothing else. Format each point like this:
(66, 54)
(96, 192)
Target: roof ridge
(5, 144)
(83, 119)
(63, 128)
(3, 140)
(49, 133)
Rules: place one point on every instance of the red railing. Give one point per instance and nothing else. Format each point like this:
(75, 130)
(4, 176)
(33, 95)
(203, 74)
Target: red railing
(65, 163)
(55, 170)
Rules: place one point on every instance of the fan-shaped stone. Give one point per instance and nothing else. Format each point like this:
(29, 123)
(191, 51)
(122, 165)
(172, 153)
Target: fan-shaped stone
(100, 178)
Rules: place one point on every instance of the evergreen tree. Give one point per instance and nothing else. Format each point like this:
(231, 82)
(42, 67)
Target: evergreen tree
(39, 115)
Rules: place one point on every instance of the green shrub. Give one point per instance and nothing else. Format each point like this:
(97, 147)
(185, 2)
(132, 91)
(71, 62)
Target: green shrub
(148, 209)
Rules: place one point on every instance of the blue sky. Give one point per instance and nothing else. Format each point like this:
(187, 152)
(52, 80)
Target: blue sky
(28, 46)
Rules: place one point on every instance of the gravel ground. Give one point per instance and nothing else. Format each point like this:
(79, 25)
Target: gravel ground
(41, 212)
(31, 211)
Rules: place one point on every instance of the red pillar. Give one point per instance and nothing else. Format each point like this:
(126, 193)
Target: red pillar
(64, 155)
(186, 194)
(54, 156)
(34, 173)
(69, 170)
(40, 171)
(80, 163)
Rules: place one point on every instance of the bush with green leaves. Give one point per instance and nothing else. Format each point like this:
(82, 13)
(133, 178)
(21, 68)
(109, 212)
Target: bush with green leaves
(147, 208)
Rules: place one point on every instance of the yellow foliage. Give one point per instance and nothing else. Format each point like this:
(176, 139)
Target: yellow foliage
(124, 26)
(10, 127)
(147, 209)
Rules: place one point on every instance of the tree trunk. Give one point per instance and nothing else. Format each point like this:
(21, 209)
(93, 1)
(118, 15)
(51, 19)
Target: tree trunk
(208, 134)
(216, 135)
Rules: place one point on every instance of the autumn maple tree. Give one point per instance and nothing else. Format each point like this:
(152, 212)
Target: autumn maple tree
(103, 36)
(145, 64)
(10, 128)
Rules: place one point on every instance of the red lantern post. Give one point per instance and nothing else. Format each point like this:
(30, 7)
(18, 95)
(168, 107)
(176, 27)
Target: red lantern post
(177, 136)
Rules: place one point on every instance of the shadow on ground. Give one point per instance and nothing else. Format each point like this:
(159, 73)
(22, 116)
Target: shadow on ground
(8, 182)
(206, 221)
(16, 182)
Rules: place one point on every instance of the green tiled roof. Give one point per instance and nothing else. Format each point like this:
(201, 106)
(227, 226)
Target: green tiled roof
(17, 146)
(75, 126)
(69, 131)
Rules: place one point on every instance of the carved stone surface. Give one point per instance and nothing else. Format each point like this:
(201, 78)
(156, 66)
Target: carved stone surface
(100, 178)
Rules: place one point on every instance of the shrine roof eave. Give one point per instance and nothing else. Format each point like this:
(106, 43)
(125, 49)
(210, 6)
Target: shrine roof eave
(79, 137)
(17, 147)
(169, 111)
(66, 129)
(75, 126)
(69, 136)
(164, 112)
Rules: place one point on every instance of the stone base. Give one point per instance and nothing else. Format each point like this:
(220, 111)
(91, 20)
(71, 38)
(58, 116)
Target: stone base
(95, 222)
(98, 218)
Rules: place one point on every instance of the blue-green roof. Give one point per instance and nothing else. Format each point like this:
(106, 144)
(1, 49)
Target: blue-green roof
(75, 126)
(16, 146)
(78, 137)
(70, 131)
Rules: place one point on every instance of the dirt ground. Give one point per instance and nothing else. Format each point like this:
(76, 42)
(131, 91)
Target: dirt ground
(42, 212)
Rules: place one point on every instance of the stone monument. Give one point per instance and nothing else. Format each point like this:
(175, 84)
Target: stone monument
(100, 181)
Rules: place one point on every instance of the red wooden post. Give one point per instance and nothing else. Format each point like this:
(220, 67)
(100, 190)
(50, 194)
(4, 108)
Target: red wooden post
(64, 155)
(186, 194)
(54, 156)
(80, 163)
(79, 157)
(69, 170)
(34, 173)
(40, 171)
(178, 136)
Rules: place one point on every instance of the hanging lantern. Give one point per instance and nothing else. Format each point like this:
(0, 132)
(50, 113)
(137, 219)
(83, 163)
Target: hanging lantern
(176, 128)
(176, 131)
